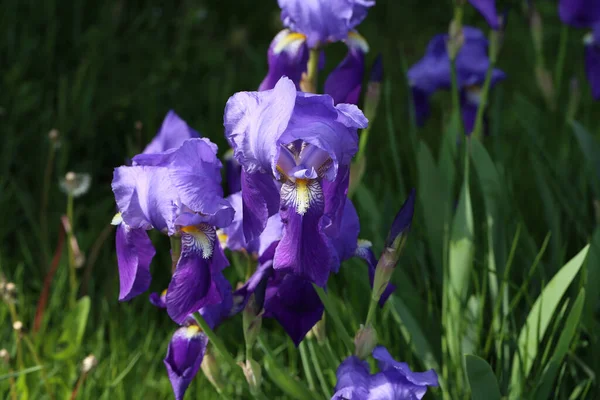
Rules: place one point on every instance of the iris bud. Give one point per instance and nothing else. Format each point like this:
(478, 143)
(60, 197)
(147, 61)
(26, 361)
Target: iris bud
(365, 341)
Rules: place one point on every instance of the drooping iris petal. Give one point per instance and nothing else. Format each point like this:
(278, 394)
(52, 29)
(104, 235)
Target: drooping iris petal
(145, 197)
(173, 132)
(353, 379)
(134, 254)
(260, 200)
(287, 56)
(592, 61)
(364, 251)
(487, 8)
(345, 243)
(304, 248)
(323, 20)
(294, 303)
(254, 122)
(386, 362)
(391, 385)
(344, 83)
(184, 356)
(193, 284)
(432, 72)
(213, 314)
(579, 13)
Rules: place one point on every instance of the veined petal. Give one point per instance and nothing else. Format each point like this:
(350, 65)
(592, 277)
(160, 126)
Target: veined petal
(335, 195)
(386, 362)
(352, 379)
(304, 249)
(184, 356)
(287, 56)
(145, 197)
(254, 123)
(134, 254)
(294, 303)
(260, 200)
(344, 83)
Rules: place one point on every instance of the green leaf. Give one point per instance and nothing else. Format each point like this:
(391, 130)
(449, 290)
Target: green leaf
(546, 383)
(430, 191)
(538, 320)
(73, 330)
(484, 385)
(22, 388)
(459, 270)
(292, 387)
(589, 146)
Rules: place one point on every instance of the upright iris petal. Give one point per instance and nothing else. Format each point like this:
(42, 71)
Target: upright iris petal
(432, 73)
(305, 143)
(487, 8)
(345, 81)
(323, 20)
(184, 356)
(579, 13)
(173, 132)
(287, 56)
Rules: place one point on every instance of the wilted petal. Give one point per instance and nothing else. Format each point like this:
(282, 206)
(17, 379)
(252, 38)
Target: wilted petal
(294, 303)
(145, 197)
(579, 13)
(387, 362)
(344, 83)
(287, 56)
(173, 132)
(134, 254)
(184, 356)
(323, 20)
(352, 380)
(487, 8)
(254, 123)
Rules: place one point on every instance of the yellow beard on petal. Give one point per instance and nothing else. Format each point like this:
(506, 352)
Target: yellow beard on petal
(302, 196)
(192, 331)
(201, 238)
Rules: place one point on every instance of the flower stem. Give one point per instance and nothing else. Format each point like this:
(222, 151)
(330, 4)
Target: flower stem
(215, 340)
(371, 314)
(71, 255)
(317, 366)
(493, 53)
(306, 366)
(37, 360)
(310, 80)
(175, 251)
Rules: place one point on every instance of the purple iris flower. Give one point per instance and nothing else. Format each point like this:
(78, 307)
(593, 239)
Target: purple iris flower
(178, 192)
(579, 13)
(592, 60)
(184, 357)
(295, 150)
(432, 73)
(288, 56)
(394, 381)
(487, 8)
(323, 21)
(233, 172)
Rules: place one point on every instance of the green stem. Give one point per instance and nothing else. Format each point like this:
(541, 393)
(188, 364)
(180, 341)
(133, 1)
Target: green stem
(37, 360)
(215, 340)
(318, 371)
(362, 144)
(371, 313)
(482, 103)
(341, 330)
(306, 366)
(456, 95)
(309, 84)
(71, 255)
(15, 318)
(175, 251)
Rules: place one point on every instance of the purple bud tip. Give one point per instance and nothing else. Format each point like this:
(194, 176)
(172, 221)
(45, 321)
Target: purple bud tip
(377, 69)
(403, 219)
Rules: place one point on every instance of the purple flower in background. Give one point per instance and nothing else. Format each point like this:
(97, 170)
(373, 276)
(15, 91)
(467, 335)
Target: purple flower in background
(178, 192)
(184, 356)
(172, 133)
(432, 73)
(592, 60)
(233, 172)
(345, 81)
(295, 150)
(287, 56)
(395, 381)
(579, 13)
(487, 8)
(323, 21)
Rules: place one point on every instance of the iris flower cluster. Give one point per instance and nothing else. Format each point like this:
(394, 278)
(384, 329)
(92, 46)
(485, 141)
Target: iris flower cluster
(288, 211)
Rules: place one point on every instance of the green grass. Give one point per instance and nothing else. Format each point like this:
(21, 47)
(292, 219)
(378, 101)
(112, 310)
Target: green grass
(92, 69)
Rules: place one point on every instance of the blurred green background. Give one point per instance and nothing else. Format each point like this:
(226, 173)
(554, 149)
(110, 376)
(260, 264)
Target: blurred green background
(105, 73)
